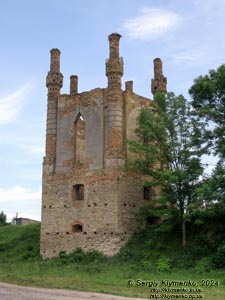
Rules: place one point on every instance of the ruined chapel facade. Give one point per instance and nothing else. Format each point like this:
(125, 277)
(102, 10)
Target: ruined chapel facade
(87, 197)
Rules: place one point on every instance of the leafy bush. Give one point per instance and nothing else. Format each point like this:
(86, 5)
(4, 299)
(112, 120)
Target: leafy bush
(200, 246)
(78, 256)
(182, 259)
(127, 254)
(163, 265)
(218, 258)
(94, 256)
(146, 265)
(204, 265)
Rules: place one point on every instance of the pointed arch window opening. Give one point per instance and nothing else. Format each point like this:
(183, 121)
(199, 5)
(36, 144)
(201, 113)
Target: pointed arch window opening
(80, 139)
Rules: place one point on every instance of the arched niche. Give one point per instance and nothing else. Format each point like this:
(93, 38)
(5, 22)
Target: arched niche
(80, 139)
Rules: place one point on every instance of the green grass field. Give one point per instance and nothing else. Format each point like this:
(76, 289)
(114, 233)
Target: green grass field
(20, 264)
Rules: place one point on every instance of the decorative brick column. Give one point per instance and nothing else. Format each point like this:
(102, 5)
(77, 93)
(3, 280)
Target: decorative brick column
(114, 72)
(54, 82)
(73, 84)
(159, 81)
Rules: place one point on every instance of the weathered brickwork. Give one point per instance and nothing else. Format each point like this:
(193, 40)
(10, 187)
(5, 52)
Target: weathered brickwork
(88, 199)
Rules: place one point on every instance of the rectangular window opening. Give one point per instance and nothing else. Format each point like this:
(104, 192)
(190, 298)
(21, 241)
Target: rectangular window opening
(147, 193)
(78, 192)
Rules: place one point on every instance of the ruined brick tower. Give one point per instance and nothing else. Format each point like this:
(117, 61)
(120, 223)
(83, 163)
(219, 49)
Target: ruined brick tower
(87, 197)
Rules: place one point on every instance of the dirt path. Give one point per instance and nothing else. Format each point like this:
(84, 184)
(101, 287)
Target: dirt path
(14, 292)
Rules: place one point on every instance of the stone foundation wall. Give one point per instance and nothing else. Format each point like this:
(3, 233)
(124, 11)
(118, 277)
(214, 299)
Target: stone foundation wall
(107, 223)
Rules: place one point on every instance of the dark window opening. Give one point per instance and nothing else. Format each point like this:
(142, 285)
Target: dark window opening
(80, 139)
(147, 193)
(77, 228)
(152, 220)
(78, 192)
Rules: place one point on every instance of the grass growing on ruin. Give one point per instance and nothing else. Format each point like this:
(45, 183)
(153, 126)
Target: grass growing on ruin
(20, 264)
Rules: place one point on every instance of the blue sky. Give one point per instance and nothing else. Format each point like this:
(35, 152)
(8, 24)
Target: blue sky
(187, 35)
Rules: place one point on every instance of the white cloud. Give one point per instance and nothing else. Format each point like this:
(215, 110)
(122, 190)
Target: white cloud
(22, 200)
(151, 23)
(18, 193)
(11, 105)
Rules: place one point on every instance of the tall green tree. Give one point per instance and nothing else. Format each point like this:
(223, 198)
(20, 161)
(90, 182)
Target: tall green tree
(212, 189)
(208, 100)
(169, 152)
(2, 218)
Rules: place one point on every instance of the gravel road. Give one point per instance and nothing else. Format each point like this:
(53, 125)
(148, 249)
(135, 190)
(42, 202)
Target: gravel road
(14, 292)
